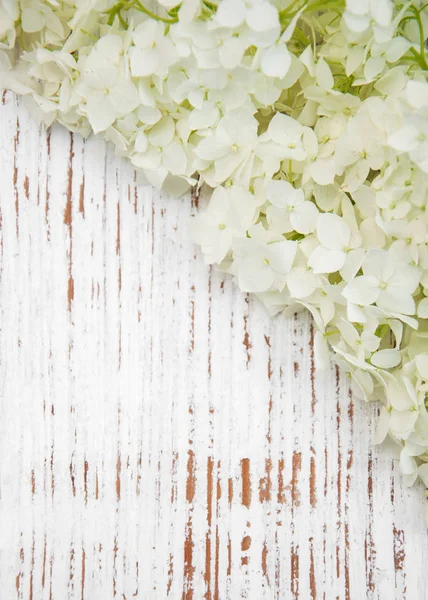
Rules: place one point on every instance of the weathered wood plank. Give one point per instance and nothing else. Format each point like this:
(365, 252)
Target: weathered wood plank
(160, 435)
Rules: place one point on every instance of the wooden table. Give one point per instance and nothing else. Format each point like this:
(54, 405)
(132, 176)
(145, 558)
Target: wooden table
(161, 436)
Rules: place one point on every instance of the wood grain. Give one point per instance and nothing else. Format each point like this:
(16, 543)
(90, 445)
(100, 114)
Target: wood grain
(161, 436)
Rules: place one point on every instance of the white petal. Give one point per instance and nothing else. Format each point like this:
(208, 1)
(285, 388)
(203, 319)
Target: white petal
(307, 59)
(230, 13)
(323, 171)
(141, 142)
(276, 61)
(100, 112)
(402, 402)
(355, 176)
(162, 133)
(146, 33)
(358, 7)
(423, 474)
(278, 191)
(255, 276)
(301, 282)
(423, 309)
(356, 23)
(422, 365)
(124, 97)
(373, 236)
(417, 93)
(379, 264)
(382, 11)
(354, 59)
(263, 39)
(392, 82)
(407, 463)
(32, 20)
(263, 17)
(321, 352)
(323, 260)
(397, 302)
(148, 115)
(266, 91)
(211, 148)
(382, 426)
(373, 67)
(231, 52)
(397, 47)
(323, 74)
(281, 255)
(349, 333)
(355, 314)
(226, 165)
(239, 127)
(397, 329)
(362, 290)
(333, 232)
(174, 158)
(354, 260)
(284, 129)
(304, 218)
(386, 359)
(143, 62)
(362, 386)
(327, 309)
(310, 142)
(405, 139)
(204, 117)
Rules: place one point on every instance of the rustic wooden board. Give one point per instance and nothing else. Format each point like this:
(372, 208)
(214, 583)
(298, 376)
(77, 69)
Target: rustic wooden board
(161, 436)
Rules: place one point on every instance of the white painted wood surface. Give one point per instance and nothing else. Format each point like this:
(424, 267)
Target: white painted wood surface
(160, 436)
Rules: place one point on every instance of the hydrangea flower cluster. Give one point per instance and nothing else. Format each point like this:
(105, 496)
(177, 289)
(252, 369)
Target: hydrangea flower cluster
(308, 119)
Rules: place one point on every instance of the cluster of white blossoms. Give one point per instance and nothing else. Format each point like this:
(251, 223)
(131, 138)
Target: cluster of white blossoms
(309, 121)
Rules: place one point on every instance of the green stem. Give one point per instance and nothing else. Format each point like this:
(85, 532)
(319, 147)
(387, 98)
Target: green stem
(93, 38)
(405, 19)
(115, 11)
(122, 20)
(420, 59)
(152, 15)
(421, 37)
(173, 11)
(420, 9)
(290, 171)
(289, 12)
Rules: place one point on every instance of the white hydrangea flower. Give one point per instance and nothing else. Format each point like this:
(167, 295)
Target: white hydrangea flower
(230, 145)
(230, 214)
(153, 52)
(285, 138)
(289, 210)
(362, 15)
(107, 91)
(260, 266)
(359, 149)
(384, 282)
